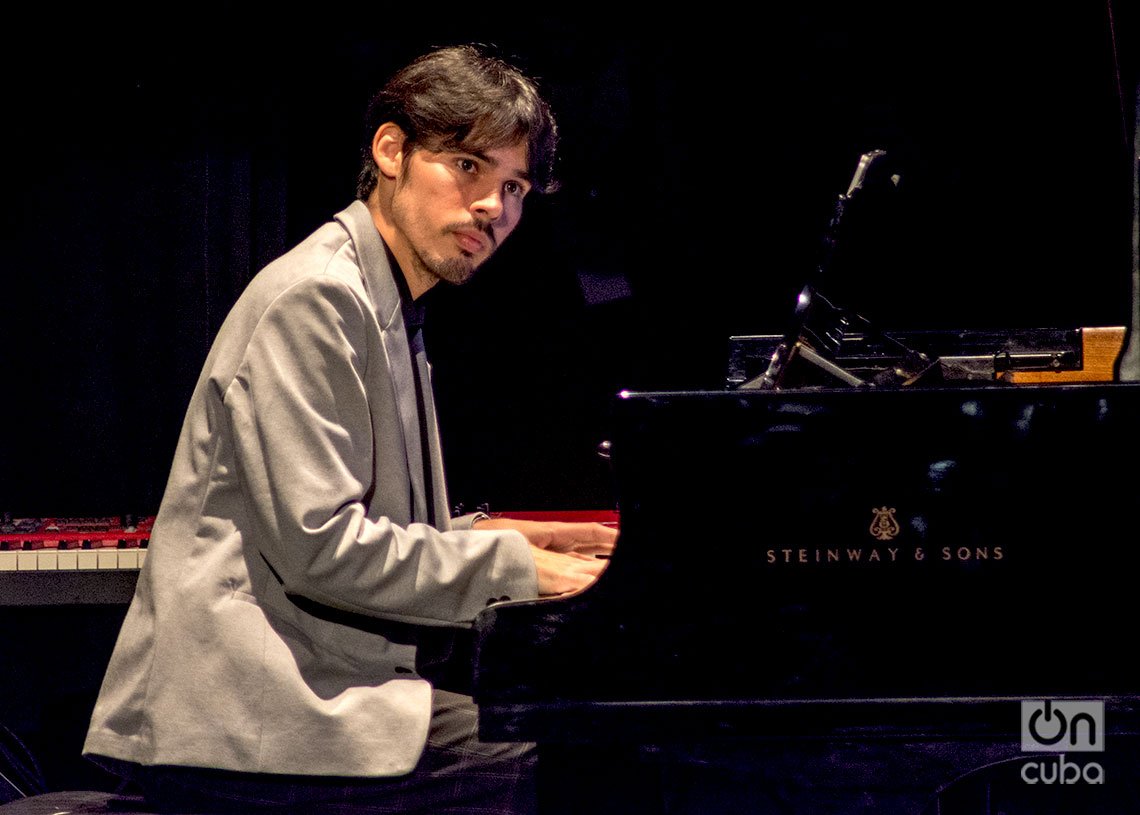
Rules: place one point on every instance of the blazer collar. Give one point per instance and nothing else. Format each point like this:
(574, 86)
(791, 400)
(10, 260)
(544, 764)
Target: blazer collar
(373, 258)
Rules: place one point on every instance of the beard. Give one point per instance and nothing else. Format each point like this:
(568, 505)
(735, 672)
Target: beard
(460, 269)
(457, 270)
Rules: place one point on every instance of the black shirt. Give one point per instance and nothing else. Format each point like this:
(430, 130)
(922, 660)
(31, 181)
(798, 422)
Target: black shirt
(413, 312)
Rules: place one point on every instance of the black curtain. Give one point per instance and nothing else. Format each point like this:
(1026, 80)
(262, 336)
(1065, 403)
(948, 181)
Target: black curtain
(148, 179)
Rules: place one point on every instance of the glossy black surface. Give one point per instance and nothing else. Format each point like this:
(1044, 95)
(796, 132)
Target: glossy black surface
(748, 575)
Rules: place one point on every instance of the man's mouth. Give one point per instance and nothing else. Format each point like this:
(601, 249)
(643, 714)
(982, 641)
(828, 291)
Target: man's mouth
(473, 239)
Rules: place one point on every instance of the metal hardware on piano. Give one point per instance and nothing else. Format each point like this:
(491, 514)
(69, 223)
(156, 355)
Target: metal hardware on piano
(1022, 356)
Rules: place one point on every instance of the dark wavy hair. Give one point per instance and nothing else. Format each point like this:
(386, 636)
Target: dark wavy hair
(462, 98)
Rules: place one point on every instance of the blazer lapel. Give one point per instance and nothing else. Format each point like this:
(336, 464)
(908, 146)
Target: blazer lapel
(442, 510)
(378, 281)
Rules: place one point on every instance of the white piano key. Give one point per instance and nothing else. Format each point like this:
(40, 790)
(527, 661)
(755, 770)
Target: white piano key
(47, 560)
(25, 561)
(88, 559)
(128, 558)
(142, 557)
(8, 561)
(108, 558)
(68, 559)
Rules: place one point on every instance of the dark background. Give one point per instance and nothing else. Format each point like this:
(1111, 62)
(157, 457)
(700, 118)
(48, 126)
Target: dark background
(149, 176)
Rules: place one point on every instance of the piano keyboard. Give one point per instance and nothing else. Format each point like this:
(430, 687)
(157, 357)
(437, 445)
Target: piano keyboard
(73, 544)
(96, 561)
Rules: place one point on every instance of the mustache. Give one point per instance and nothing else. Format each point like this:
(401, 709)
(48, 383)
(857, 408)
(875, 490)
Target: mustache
(474, 225)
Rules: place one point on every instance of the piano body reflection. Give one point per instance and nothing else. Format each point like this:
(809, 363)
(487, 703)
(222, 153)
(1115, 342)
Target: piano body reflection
(832, 599)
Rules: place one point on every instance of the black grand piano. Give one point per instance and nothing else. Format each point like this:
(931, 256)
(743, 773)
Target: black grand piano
(843, 581)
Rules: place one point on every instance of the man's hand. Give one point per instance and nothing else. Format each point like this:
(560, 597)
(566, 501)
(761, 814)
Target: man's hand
(555, 536)
(564, 553)
(561, 573)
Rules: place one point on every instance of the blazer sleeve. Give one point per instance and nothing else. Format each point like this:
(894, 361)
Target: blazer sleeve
(302, 425)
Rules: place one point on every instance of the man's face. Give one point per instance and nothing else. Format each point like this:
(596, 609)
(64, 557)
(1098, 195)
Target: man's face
(452, 209)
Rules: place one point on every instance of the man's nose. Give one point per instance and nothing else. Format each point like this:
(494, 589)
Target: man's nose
(489, 206)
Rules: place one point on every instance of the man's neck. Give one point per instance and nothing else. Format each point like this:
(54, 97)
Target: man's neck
(418, 281)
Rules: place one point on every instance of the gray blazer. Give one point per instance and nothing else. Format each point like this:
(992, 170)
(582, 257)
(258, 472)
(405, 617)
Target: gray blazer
(299, 472)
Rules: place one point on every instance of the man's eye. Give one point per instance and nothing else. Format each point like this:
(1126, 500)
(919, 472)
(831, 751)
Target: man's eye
(514, 188)
(467, 165)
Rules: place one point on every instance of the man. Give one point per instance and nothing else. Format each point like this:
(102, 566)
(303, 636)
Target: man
(303, 553)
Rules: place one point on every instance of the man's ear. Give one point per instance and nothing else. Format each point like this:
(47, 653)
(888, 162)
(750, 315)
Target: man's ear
(388, 149)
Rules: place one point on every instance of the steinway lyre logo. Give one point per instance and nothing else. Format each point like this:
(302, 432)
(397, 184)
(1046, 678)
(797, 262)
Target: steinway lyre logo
(884, 526)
